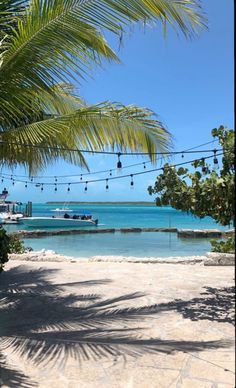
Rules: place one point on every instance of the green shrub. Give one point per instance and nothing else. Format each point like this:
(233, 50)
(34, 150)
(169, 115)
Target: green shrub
(4, 247)
(15, 244)
(223, 246)
(9, 243)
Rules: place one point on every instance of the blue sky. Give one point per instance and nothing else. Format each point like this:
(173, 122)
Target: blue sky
(188, 83)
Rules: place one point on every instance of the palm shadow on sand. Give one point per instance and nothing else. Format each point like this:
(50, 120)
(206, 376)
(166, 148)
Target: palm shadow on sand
(41, 324)
(214, 304)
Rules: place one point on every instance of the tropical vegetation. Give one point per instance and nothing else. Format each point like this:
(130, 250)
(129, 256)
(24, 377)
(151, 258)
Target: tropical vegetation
(206, 191)
(4, 248)
(44, 46)
(9, 243)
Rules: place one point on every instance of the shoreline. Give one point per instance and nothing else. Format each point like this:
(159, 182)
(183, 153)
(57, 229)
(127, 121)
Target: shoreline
(51, 256)
(210, 258)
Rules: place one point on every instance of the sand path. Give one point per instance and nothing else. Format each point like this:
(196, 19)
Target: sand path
(116, 325)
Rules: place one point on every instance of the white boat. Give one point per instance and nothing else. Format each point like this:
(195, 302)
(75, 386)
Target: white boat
(56, 222)
(9, 213)
(61, 210)
(60, 220)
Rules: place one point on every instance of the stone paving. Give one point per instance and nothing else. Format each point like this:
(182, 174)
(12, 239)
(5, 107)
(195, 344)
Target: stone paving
(116, 325)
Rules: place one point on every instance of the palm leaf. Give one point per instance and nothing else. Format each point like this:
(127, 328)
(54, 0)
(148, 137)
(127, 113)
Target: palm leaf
(92, 127)
(44, 42)
(57, 39)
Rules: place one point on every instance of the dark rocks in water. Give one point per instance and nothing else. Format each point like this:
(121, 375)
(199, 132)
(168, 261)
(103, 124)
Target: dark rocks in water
(182, 233)
(130, 230)
(191, 233)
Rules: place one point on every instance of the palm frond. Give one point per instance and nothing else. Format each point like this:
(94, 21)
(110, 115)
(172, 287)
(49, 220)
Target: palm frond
(44, 42)
(57, 39)
(91, 127)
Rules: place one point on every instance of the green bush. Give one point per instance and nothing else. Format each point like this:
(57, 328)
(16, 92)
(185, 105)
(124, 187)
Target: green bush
(15, 244)
(4, 247)
(9, 243)
(223, 246)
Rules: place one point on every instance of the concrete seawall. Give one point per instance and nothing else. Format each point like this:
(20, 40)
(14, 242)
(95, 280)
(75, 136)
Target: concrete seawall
(182, 233)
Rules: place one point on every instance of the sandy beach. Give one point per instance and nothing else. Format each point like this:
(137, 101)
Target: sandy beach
(70, 323)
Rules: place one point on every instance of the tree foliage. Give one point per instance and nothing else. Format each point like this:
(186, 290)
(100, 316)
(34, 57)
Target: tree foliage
(9, 243)
(205, 191)
(4, 247)
(227, 246)
(44, 46)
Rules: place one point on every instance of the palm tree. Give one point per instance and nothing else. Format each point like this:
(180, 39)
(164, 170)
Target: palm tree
(44, 46)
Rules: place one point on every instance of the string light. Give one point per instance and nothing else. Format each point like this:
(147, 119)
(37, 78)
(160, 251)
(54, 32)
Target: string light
(104, 171)
(68, 188)
(81, 177)
(119, 164)
(107, 186)
(110, 173)
(86, 187)
(41, 188)
(38, 146)
(116, 177)
(204, 168)
(144, 165)
(55, 188)
(132, 181)
(26, 185)
(215, 161)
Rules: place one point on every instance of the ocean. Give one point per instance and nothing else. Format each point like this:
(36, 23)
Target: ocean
(144, 244)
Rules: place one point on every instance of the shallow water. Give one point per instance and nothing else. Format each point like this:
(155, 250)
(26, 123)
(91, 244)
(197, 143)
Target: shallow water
(145, 244)
(142, 244)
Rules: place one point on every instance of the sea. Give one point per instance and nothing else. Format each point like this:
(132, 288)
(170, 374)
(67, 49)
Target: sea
(144, 244)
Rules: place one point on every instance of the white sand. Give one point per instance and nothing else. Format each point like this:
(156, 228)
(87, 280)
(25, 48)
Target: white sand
(46, 255)
(68, 323)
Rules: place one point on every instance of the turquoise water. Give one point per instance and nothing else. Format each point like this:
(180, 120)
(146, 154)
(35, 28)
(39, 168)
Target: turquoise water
(148, 244)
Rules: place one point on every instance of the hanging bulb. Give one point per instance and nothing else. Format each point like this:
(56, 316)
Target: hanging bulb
(55, 188)
(204, 168)
(55, 179)
(41, 188)
(215, 161)
(119, 164)
(11, 178)
(110, 173)
(86, 187)
(68, 189)
(107, 186)
(182, 156)
(144, 165)
(26, 185)
(31, 179)
(132, 182)
(81, 177)
(13, 182)
(2, 180)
